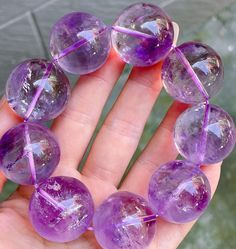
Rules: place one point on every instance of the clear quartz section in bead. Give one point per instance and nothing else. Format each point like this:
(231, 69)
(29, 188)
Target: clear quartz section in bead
(33, 77)
(80, 42)
(205, 134)
(179, 191)
(61, 209)
(143, 34)
(118, 222)
(29, 153)
(192, 73)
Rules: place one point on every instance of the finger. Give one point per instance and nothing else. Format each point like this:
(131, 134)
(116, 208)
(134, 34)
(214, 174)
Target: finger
(121, 131)
(7, 119)
(74, 128)
(119, 136)
(160, 149)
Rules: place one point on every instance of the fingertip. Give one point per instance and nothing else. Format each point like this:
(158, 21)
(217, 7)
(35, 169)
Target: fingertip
(176, 32)
(113, 60)
(172, 114)
(8, 117)
(115, 56)
(178, 107)
(212, 172)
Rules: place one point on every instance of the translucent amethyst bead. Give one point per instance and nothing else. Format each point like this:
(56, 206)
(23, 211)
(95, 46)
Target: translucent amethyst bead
(61, 209)
(192, 72)
(179, 192)
(205, 134)
(143, 34)
(29, 153)
(80, 42)
(118, 222)
(37, 90)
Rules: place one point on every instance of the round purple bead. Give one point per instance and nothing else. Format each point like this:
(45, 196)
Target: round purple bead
(179, 192)
(143, 34)
(29, 153)
(205, 134)
(37, 90)
(80, 42)
(61, 209)
(118, 222)
(192, 73)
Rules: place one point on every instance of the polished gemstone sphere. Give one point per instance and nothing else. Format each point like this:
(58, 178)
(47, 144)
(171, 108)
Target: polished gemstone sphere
(80, 42)
(29, 153)
(118, 222)
(192, 73)
(179, 191)
(143, 34)
(37, 90)
(61, 209)
(205, 134)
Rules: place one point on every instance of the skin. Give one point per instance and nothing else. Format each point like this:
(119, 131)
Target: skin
(111, 152)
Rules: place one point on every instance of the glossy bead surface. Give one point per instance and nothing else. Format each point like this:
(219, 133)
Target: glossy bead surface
(29, 153)
(80, 42)
(61, 209)
(33, 77)
(204, 134)
(118, 222)
(179, 191)
(143, 34)
(192, 72)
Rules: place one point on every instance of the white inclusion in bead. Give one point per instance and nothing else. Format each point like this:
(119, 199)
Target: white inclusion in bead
(47, 86)
(71, 205)
(132, 221)
(56, 186)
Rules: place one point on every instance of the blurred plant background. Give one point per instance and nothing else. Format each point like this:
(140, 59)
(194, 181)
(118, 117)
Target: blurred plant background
(25, 27)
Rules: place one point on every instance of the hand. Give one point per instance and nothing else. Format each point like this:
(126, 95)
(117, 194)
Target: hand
(111, 152)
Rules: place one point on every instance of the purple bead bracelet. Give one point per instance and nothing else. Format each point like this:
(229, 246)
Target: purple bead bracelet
(61, 208)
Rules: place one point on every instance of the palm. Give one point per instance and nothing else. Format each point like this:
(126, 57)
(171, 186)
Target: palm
(17, 232)
(111, 152)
